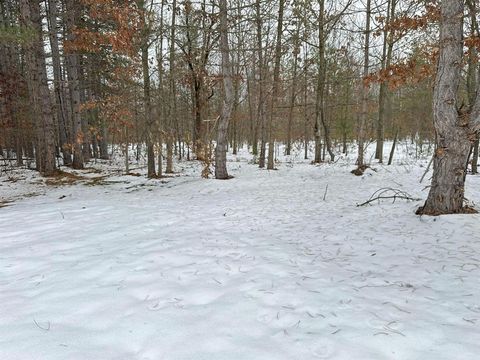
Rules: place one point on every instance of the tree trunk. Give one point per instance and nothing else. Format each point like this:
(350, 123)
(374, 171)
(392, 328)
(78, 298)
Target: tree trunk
(38, 88)
(472, 77)
(276, 86)
(62, 115)
(446, 194)
(147, 101)
(383, 95)
(364, 91)
(172, 118)
(261, 79)
(73, 65)
(222, 128)
(392, 150)
(296, 52)
(320, 83)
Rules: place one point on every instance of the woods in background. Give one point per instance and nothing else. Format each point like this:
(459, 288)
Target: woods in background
(192, 79)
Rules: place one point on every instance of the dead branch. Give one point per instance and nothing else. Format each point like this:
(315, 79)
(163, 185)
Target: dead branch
(389, 193)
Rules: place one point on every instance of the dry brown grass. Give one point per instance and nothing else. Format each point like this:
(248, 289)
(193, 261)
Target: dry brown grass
(62, 178)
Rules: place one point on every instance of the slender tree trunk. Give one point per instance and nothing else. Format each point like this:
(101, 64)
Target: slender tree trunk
(147, 101)
(148, 113)
(73, 64)
(320, 82)
(161, 112)
(472, 77)
(38, 88)
(126, 154)
(276, 86)
(296, 51)
(383, 95)
(392, 150)
(86, 148)
(261, 79)
(253, 121)
(364, 91)
(62, 115)
(227, 72)
(172, 119)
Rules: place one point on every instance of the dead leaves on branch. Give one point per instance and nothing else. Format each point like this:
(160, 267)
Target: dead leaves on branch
(401, 25)
(408, 72)
(119, 31)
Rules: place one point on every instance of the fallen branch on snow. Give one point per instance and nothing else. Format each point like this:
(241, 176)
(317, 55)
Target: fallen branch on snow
(389, 193)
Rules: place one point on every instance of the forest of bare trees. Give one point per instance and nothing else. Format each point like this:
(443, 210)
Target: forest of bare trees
(174, 79)
(239, 179)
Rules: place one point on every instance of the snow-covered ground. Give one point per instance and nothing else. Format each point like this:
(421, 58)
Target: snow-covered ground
(269, 265)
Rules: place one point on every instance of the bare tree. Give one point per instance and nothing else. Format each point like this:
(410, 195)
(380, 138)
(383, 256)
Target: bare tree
(455, 130)
(364, 91)
(38, 88)
(276, 85)
(229, 97)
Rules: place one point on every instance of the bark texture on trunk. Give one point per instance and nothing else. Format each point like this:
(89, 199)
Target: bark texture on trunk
(62, 115)
(320, 83)
(38, 88)
(147, 99)
(222, 129)
(364, 113)
(276, 85)
(261, 79)
(73, 64)
(384, 96)
(446, 194)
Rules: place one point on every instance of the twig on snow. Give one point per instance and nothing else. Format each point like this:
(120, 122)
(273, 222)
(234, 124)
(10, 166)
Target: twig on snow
(41, 327)
(389, 193)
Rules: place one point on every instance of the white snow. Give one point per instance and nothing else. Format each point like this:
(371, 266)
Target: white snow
(257, 267)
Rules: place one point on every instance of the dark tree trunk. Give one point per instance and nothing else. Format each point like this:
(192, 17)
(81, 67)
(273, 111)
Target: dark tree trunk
(73, 65)
(62, 114)
(364, 113)
(276, 85)
(38, 88)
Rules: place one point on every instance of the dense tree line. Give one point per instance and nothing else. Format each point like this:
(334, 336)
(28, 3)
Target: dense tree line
(181, 78)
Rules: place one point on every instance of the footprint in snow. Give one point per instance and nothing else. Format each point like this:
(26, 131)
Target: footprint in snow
(323, 349)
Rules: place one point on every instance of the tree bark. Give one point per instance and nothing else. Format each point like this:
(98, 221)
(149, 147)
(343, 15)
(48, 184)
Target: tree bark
(172, 119)
(296, 52)
(227, 72)
(147, 100)
(261, 79)
(383, 96)
(446, 194)
(276, 86)
(62, 115)
(320, 83)
(38, 88)
(364, 93)
(73, 64)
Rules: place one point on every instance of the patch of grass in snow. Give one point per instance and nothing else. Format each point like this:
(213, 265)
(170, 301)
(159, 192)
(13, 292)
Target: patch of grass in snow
(62, 178)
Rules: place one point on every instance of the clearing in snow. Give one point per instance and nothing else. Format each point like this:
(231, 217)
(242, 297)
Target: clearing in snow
(269, 265)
